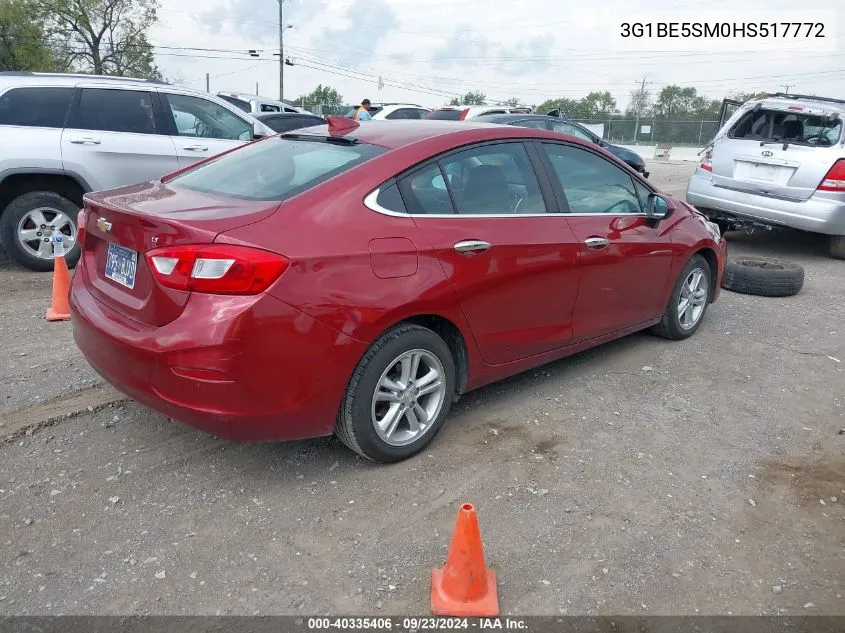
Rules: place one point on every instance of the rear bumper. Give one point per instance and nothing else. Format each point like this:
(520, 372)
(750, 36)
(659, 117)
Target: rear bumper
(816, 214)
(243, 368)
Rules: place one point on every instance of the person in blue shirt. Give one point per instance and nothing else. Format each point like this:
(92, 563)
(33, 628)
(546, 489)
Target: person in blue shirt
(362, 113)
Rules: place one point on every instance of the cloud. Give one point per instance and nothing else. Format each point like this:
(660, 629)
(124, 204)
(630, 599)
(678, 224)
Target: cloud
(523, 57)
(259, 19)
(368, 22)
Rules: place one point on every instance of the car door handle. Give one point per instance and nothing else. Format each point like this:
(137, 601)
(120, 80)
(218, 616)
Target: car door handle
(596, 242)
(195, 148)
(470, 247)
(85, 140)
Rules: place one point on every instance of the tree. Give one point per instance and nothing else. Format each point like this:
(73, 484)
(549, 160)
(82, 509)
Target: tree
(473, 97)
(597, 103)
(104, 37)
(513, 102)
(324, 95)
(23, 45)
(567, 107)
(640, 102)
(676, 102)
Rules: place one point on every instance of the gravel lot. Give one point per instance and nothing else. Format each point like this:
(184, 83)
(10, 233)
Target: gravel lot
(642, 477)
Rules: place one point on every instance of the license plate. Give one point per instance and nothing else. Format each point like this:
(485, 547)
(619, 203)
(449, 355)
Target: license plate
(121, 264)
(779, 174)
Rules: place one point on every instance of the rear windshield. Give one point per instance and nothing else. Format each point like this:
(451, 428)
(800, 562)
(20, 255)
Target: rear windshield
(791, 127)
(445, 115)
(275, 168)
(240, 103)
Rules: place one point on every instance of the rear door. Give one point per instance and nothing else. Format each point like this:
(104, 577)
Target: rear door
(778, 150)
(509, 255)
(116, 137)
(201, 128)
(625, 258)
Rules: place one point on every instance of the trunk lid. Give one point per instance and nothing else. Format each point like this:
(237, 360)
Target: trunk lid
(122, 225)
(780, 150)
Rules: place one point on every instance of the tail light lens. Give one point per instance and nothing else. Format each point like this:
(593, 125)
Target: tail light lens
(216, 268)
(464, 114)
(80, 227)
(835, 178)
(707, 162)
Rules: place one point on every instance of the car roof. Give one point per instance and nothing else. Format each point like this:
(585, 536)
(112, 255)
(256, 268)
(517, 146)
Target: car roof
(402, 132)
(267, 115)
(810, 102)
(505, 118)
(69, 79)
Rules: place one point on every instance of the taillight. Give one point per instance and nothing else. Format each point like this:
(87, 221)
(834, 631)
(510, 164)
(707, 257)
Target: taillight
(835, 178)
(464, 114)
(707, 162)
(216, 268)
(80, 227)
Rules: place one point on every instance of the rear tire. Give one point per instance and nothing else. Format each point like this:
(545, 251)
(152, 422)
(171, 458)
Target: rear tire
(688, 301)
(763, 277)
(17, 216)
(380, 397)
(837, 246)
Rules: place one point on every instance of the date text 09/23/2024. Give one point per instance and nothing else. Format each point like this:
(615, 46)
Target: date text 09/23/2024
(416, 624)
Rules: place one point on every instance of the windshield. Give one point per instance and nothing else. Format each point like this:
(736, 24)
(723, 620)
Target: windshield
(789, 127)
(243, 105)
(275, 168)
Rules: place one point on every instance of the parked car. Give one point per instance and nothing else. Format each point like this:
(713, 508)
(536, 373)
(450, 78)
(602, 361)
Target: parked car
(253, 104)
(777, 162)
(391, 111)
(543, 122)
(65, 135)
(357, 278)
(464, 112)
(287, 121)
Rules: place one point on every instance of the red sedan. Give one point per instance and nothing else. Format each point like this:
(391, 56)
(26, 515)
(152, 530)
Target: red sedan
(357, 279)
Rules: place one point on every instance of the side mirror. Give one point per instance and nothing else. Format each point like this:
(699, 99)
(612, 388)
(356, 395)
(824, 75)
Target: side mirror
(601, 142)
(657, 207)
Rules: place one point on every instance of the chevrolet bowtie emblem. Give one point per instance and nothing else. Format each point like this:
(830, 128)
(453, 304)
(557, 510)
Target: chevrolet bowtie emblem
(104, 225)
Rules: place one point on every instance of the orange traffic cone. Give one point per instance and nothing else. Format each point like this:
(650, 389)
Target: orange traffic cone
(465, 587)
(59, 309)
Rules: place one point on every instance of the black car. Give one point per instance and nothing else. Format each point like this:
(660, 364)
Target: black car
(565, 126)
(287, 121)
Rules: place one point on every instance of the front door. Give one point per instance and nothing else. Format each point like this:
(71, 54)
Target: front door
(203, 128)
(510, 258)
(625, 258)
(114, 137)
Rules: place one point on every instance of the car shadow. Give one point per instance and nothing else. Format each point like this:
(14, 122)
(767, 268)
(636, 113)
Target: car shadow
(778, 243)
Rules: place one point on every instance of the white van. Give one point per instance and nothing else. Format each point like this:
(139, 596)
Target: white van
(253, 104)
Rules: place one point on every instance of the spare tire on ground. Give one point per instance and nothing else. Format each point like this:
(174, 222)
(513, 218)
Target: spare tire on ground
(763, 277)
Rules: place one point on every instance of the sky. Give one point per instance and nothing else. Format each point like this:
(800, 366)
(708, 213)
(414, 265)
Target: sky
(428, 51)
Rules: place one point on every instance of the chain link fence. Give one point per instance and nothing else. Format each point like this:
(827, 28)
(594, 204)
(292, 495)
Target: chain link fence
(651, 131)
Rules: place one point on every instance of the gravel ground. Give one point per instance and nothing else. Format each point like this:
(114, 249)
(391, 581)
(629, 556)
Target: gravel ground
(641, 477)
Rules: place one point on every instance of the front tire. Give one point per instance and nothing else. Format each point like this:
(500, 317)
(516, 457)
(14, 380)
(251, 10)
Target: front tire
(837, 246)
(688, 302)
(37, 212)
(398, 396)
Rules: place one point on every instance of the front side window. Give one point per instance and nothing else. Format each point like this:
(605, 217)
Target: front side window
(35, 107)
(200, 118)
(495, 180)
(590, 183)
(275, 168)
(129, 111)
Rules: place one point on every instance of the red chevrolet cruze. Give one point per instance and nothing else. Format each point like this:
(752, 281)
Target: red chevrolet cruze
(356, 279)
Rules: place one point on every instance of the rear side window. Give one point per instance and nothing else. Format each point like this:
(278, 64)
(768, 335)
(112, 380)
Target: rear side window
(35, 107)
(270, 108)
(389, 198)
(114, 111)
(445, 115)
(405, 113)
(275, 168)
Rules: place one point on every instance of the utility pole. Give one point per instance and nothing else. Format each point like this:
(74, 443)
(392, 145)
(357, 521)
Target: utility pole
(786, 87)
(638, 105)
(207, 82)
(281, 50)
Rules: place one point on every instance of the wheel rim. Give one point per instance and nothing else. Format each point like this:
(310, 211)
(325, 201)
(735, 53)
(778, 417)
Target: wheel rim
(408, 398)
(693, 298)
(36, 227)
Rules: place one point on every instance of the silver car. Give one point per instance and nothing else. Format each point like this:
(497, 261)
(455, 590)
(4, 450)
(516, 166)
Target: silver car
(777, 162)
(65, 135)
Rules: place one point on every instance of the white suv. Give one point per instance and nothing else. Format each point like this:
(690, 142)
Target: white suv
(253, 104)
(65, 135)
